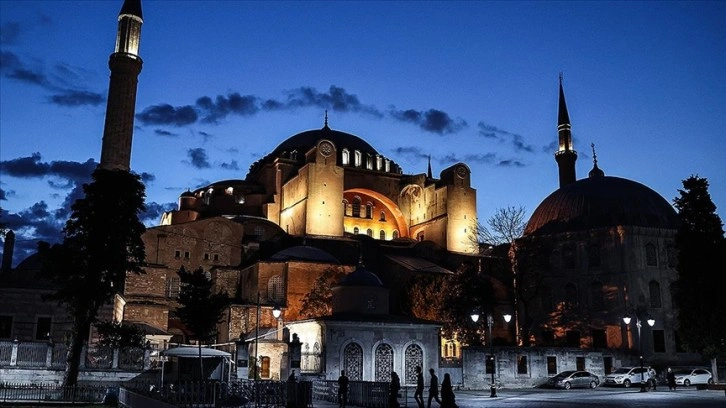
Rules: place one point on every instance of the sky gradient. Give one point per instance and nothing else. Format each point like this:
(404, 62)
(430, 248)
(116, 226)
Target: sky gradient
(224, 82)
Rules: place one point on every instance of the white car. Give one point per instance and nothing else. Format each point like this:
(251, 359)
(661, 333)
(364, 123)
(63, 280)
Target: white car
(627, 376)
(692, 376)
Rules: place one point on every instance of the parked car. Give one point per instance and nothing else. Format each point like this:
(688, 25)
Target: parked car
(627, 376)
(574, 379)
(692, 376)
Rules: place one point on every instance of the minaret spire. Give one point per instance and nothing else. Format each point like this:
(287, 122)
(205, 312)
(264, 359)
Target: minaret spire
(125, 65)
(565, 156)
(429, 174)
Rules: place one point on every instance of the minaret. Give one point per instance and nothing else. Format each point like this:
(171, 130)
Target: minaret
(428, 172)
(125, 65)
(565, 155)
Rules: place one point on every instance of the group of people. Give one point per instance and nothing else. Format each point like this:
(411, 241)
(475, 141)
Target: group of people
(447, 400)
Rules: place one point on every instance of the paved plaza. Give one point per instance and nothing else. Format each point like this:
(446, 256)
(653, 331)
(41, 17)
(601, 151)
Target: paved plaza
(601, 397)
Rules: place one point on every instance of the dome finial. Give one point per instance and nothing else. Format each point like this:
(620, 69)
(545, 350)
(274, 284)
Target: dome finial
(595, 172)
(325, 125)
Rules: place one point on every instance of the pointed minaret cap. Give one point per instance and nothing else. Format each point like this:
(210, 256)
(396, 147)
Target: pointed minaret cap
(595, 172)
(132, 7)
(563, 117)
(429, 174)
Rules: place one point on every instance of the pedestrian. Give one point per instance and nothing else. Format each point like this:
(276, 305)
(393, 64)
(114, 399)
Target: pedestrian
(671, 378)
(342, 389)
(448, 400)
(418, 394)
(292, 378)
(433, 388)
(394, 389)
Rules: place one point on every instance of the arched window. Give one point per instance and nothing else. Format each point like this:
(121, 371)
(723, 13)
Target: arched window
(593, 255)
(358, 158)
(345, 157)
(650, 255)
(671, 252)
(568, 257)
(356, 206)
(382, 235)
(395, 234)
(384, 362)
(356, 230)
(420, 236)
(597, 300)
(276, 289)
(383, 216)
(264, 367)
(369, 162)
(413, 357)
(369, 232)
(571, 295)
(369, 210)
(353, 361)
(655, 298)
(387, 166)
(379, 162)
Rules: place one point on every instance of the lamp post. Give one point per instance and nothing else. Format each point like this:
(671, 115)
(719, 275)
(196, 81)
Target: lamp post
(257, 335)
(627, 319)
(490, 323)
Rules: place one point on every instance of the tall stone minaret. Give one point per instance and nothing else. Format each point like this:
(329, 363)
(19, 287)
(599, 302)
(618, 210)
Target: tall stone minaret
(565, 156)
(125, 65)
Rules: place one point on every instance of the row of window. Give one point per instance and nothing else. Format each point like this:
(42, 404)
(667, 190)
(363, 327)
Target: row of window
(376, 162)
(599, 297)
(381, 234)
(43, 327)
(187, 255)
(383, 362)
(566, 256)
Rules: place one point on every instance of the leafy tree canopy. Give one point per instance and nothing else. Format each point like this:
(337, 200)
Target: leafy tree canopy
(115, 334)
(318, 302)
(699, 288)
(200, 309)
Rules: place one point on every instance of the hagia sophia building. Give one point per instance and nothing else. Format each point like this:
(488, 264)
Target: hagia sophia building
(325, 201)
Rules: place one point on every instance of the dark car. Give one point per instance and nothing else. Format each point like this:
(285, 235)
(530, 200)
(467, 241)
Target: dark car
(574, 379)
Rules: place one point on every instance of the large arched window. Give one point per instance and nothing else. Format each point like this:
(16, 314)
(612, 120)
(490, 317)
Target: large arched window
(395, 234)
(655, 298)
(358, 158)
(384, 362)
(651, 258)
(369, 210)
(264, 367)
(276, 289)
(382, 235)
(413, 357)
(345, 157)
(369, 232)
(353, 361)
(356, 206)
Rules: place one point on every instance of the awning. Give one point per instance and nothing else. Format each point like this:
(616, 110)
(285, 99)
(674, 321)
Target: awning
(193, 352)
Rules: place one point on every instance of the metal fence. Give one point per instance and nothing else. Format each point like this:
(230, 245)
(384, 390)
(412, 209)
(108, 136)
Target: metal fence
(28, 393)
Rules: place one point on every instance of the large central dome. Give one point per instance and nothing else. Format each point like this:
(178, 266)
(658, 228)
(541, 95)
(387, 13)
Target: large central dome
(304, 141)
(598, 202)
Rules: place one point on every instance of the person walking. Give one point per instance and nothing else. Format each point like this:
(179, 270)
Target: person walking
(343, 389)
(393, 391)
(671, 378)
(448, 400)
(433, 388)
(418, 394)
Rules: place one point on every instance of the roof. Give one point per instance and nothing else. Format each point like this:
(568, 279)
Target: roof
(304, 141)
(417, 264)
(361, 277)
(304, 253)
(602, 201)
(193, 352)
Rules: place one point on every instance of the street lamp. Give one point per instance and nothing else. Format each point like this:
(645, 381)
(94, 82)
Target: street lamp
(257, 335)
(627, 319)
(490, 323)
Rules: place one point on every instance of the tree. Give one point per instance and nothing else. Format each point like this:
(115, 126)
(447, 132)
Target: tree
(699, 288)
(468, 291)
(102, 243)
(506, 225)
(318, 302)
(119, 335)
(200, 309)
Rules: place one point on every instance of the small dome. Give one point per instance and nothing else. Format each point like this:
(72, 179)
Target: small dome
(361, 277)
(187, 194)
(304, 253)
(601, 201)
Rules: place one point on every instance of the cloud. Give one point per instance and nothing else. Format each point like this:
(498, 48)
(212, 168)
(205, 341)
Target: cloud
(165, 114)
(77, 98)
(410, 152)
(198, 158)
(153, 212)
(213, 111)
(233, 165)
(432, 120)
(161, 132)
(516, 140)
(65, 82)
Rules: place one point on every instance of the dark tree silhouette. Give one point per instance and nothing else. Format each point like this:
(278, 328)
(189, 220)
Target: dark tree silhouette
(699, 290)
(199, 308)
(102, 243)
(115, 334)
(468, 291)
